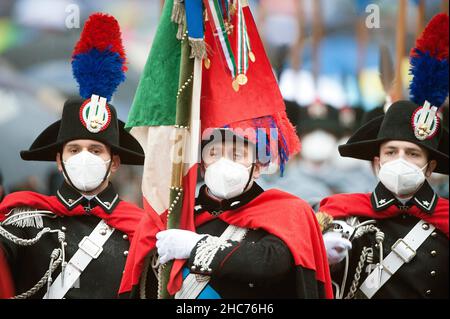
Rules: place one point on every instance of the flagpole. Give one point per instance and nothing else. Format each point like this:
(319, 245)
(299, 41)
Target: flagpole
(362, 36)
(296, 53)
(444, 6)
(317, 34)
(420, 17)
(400, 50)
(187, 132)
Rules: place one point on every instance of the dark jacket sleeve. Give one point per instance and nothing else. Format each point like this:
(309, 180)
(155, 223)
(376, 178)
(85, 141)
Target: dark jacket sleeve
(11, 250)
(263, 261)
(8, 255)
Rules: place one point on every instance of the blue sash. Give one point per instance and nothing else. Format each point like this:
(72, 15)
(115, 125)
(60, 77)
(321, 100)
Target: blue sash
(207, 293)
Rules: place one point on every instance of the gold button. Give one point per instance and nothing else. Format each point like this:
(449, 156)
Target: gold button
(428, 292)
(125, 253)
(426, 226)
(433, 273)
(125, 237)
(433, 253)
(433, 234)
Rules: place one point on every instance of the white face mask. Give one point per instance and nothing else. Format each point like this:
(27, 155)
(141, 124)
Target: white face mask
(226, 179)
(318, 146)
(86, 171)
(401, 177)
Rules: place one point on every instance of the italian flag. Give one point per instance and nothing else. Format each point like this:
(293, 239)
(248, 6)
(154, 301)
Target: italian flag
(166, 108)
(165, 119)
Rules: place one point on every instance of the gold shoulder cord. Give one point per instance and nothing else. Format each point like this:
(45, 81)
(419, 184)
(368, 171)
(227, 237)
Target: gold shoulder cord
(325, 220)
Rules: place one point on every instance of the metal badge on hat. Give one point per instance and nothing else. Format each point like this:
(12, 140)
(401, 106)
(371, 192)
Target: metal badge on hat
(425, 121)
(95, 114)
(317, 110)
(347, 116)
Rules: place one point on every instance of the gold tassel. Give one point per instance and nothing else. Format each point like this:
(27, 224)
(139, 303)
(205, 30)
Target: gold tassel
(198, 48)
(325, 220)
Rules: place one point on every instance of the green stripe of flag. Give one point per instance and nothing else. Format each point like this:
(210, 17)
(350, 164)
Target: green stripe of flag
(156, 96)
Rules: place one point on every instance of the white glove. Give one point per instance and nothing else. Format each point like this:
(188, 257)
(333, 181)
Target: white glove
(336, 246)
(175, 244)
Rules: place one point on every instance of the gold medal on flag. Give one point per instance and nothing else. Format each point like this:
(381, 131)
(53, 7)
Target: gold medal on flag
(235, 85)
(252, 57)
(242, 79)
(207, 62)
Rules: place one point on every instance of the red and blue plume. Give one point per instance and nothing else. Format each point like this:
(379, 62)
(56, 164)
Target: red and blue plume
(274, 136)
(98, 60)
(429, 63)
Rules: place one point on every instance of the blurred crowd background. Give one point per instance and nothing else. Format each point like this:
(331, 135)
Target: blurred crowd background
(324, 55)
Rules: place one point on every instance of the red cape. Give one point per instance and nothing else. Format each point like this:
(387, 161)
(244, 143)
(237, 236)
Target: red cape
(125, 218)
(6, 282)
(346, 205)
(277, 212)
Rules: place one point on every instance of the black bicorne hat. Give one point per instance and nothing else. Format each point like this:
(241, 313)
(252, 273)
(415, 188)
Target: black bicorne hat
(399, 123)
(76, 124)
(319, 116)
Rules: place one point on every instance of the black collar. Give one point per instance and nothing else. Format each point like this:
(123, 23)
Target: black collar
(71, 198)
(425, 199)
(204, 202)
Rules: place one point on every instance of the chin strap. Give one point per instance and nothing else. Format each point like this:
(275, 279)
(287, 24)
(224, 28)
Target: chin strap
(250, 177)
(66, 176)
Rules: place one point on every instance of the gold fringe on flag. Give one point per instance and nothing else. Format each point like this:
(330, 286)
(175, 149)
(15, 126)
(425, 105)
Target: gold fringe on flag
(198, 48)
(179, 16)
